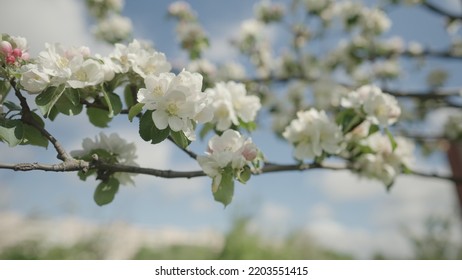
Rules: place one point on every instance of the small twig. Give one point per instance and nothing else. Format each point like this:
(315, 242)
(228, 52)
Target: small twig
(29, 119)
(190, 153)
(440, 11)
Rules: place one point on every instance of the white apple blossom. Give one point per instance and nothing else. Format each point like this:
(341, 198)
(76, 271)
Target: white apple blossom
(415, 48)
(231, 71)
(266, 11)
(231, 104)
(147, 63)
(139, 57)
(202, 66)
(313, 133)
(316, 6)
(380, 108)
(55, 61)
(123, 152)
(230, 149)
(88, 73)
(100, 8)
(113, 29)
(250, 28)
(384, 163)
(32, 79)
(177, 101)
(182, 10)
(374, 21)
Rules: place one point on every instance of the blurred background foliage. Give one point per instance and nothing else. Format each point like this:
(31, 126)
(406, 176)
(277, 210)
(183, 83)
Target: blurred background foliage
(241, 243)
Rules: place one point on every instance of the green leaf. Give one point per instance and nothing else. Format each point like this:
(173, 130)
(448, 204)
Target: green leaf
(244, 175)
(32, 136)
(98, 117)
(69, 103)
(5, 87)
(107, 102)
(348, 119)
(116, 103)
(180, 139)
(130, 92)
(148, 130)
(53, 113)
(12, 132)
(135, 110)
(11, 106)
(373, 129)
(106, 191)
(47, 99)
(392, 139)
(225, 190)
(206, 128)
(84, 175)
(249, 126)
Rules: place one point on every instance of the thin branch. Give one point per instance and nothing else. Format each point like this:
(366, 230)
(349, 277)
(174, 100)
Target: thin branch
(268, 168)
(190, 153)
(149, 171)
(28, 118)
(424, 95)
(440, 11)
(76, 165)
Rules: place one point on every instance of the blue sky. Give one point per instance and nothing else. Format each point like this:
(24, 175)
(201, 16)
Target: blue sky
(342, 211)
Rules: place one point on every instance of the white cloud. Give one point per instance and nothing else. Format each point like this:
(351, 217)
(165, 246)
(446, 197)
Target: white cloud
(346, 186)
(410, 203)
(360, 242)
(272, 219)
(60, 21)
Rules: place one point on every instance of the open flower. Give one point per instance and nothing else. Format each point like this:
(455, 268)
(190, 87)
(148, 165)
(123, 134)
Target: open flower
(312, 133)
(230, 150)
(177, 101)
(381, 108)
(119, 150)
(384, 163)
(231, 104)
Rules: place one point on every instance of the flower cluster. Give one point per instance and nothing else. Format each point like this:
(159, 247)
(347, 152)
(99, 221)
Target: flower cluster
(113, 29)
(371, 21)
(177, 101)
(111, 26)
(73, 67)
(231, 104)
(13, 50)
(115, 150)
(99, 8)
(313, 133)
(384, 163)
(190, 33)
(251, 41)
(228, 151)
(77, 68)
(140, 58)
(266, 11)
(181, 10)
(316, 6)
(380, 108)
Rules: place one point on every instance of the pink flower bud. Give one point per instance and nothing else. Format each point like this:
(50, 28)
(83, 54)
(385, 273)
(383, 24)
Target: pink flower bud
(5, 47)
(25, 56)
(10, 59)
(17, 52)
(249, 152)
